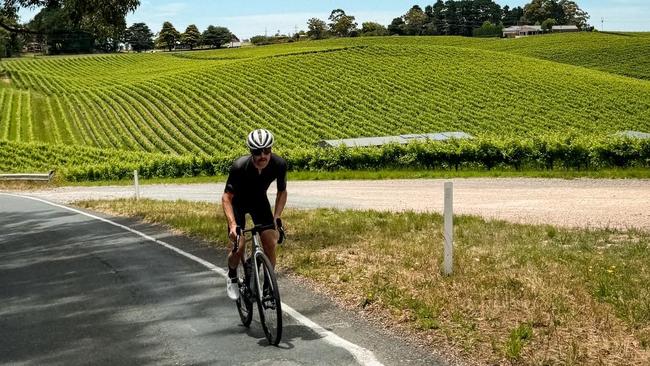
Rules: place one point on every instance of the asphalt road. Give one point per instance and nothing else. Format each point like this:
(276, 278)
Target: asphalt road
(76, 290)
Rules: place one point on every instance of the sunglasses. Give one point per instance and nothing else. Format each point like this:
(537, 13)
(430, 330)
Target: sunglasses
(258, 152)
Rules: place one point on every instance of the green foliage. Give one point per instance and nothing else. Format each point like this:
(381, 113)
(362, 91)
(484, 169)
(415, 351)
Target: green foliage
(342, 25)
(561, 11)
(216, 36)
(317, 29)
(489, 30)
(370, 29)
(168, 36)
(140, 37)
(191, 37)
(81, 164)
(548, 24)
(518, 338)
(264, 40)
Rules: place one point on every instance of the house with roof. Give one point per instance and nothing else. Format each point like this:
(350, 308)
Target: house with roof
(522, 31)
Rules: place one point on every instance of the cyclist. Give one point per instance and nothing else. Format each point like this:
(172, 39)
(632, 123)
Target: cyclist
(250, 176)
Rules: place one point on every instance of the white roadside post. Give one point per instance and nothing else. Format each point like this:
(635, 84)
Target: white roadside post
(449, 227)
(137, 185)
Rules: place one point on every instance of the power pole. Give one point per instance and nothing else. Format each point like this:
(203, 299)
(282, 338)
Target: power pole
(602, 24)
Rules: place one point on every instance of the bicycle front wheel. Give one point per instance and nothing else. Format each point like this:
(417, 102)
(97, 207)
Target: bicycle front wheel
(268, 301)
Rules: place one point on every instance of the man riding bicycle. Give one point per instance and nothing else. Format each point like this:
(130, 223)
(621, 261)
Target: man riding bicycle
(250, 177)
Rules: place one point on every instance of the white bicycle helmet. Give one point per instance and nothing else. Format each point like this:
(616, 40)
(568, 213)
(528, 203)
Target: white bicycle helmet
(260, 139)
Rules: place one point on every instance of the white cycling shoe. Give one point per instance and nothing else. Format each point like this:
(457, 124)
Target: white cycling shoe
(232, 289)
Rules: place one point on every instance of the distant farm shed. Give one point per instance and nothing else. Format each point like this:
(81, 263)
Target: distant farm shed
(634, 134)
(401, 139)
(564, 28)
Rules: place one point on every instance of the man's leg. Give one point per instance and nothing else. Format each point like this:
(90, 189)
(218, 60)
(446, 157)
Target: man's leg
(269, 240)
(234, 258)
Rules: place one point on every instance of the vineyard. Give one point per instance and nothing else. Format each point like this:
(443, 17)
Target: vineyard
(200, 105)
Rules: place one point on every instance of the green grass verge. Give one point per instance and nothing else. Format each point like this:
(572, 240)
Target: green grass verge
(629, 173)
(524, 294)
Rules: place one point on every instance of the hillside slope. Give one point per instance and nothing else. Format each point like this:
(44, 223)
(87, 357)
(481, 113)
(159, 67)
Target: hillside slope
(207, 101)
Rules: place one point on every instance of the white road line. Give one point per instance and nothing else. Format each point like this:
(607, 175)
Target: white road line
(362, 355)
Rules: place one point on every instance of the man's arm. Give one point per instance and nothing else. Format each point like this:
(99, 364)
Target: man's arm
(226, 202)
(280, 201)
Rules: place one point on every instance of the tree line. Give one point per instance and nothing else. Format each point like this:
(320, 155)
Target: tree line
(78, 26)
(84, 26)
(455, 18)
(140, 37)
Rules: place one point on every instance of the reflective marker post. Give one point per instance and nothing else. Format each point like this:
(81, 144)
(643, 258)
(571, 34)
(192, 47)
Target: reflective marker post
(137, 185)
(449, 228)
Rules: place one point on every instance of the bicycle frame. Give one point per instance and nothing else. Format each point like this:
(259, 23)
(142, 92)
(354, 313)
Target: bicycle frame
(256, 250)
(258, 283)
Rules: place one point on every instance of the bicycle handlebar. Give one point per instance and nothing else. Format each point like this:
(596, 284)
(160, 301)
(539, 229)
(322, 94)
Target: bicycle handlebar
(259, 228)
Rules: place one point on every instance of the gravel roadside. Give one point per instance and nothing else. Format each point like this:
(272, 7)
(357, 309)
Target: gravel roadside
(593, 203)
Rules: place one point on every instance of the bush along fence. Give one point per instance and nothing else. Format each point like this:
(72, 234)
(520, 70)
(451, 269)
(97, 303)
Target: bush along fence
(547, 152)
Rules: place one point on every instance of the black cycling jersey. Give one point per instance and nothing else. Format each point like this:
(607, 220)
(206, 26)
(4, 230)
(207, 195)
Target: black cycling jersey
(247, 184)
(249, 188)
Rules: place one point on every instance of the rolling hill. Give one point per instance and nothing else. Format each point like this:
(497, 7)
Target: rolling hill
(204, 102)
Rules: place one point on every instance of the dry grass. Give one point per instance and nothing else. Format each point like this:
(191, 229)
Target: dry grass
(21, 185)
(530, 295)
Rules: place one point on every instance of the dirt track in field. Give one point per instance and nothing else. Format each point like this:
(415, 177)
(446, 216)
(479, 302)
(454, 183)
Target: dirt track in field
(617, 203)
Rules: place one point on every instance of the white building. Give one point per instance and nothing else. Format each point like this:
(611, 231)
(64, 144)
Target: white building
(564, 28)
(522, 31)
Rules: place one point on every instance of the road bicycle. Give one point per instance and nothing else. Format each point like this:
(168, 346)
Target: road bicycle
(257, 283)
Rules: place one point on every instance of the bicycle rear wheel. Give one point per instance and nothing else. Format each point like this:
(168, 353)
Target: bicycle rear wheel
(244, 302)
(269, 303)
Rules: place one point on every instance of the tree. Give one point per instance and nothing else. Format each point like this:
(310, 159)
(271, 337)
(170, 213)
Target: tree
(548, 24)
(369, 29)
(396, 27)
(316, 28)
(538, 11)
(414, 20)
(53, 27)
(436, 22)
(216, 36)
(573, 14)
(488, 30)
(341, 24)
(10, 43)
(139, 36)
(191, 37)
(105, 20)
(168, 36)
(512, 16)
(4, 44)
(562, 11)
(452, 23)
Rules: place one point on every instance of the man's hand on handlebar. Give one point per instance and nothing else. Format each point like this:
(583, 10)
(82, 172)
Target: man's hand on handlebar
(232, 233)
(280, 228)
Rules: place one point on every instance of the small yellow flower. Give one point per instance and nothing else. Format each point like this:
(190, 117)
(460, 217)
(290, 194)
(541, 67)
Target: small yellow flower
(610, 271)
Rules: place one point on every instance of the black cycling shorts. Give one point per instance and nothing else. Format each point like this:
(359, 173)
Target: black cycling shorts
(260, 211)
